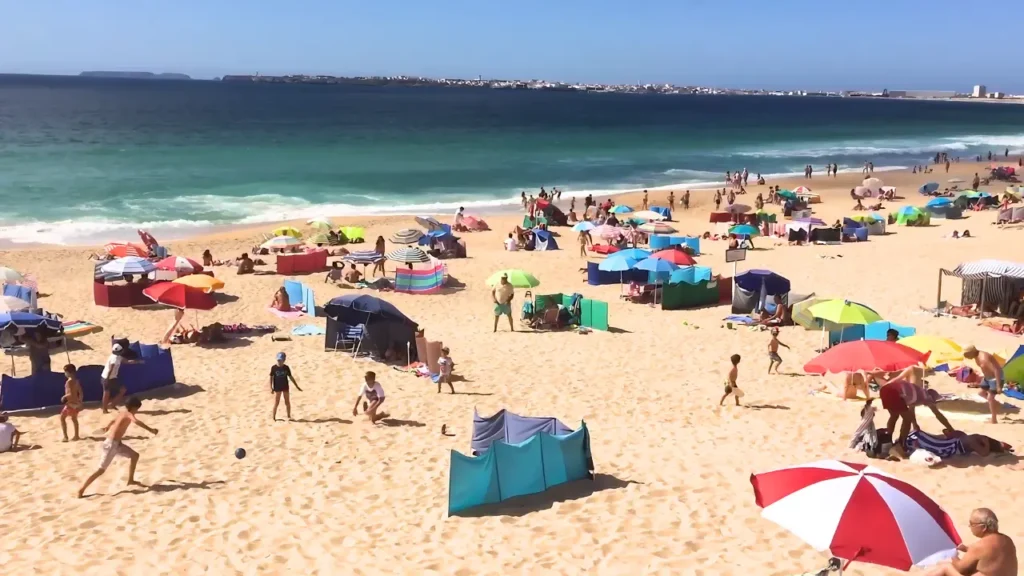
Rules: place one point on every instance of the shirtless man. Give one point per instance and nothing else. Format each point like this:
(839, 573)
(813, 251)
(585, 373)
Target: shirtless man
(731, 384)
(112, 445)
(992, 377)
(773, 351)
(994, 554)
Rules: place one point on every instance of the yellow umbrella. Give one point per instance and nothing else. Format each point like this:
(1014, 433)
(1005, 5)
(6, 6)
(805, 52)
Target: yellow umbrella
(201, 281)
(352, 232)
(942, 350)
(320, 223)
(287, 231)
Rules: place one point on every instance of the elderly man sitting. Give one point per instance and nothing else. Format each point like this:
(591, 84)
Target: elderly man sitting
(994, 554)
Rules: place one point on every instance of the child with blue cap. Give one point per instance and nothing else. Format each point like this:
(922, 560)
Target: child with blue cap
(280, 375)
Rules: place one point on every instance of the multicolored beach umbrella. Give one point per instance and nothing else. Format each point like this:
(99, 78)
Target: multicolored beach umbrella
(406, 236)
(281, 242)
(128, 265)
(621, 209)
(408, 255)
(363, 257)
(657, 228)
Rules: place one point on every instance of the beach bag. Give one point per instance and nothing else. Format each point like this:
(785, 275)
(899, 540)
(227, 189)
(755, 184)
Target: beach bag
(922, 457)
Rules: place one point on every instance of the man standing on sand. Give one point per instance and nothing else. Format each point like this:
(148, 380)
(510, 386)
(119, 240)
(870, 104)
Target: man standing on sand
(992, 376)
(644, 202)
(686, 200)
(502, 295)
(994, 554)
(672, 200)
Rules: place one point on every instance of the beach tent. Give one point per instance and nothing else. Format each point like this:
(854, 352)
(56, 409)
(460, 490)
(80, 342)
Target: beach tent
(911, 216)
(155, 370)
(384, 327)
(991, 284)
(542, 240)
(504, 426)
(509, 470)
(551, 214)
(755, 287)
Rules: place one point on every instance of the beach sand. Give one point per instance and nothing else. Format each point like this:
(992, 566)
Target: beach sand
(332, 494)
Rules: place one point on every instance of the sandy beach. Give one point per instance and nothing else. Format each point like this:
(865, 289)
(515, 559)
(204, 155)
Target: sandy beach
(332, 494)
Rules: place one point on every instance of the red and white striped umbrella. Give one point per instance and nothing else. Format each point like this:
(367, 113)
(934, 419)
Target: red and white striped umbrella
(179, 264)
(606, 231)
(858, 513)
(126, 249)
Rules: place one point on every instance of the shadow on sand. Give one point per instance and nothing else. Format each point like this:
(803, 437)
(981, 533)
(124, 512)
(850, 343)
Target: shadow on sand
(523, 505)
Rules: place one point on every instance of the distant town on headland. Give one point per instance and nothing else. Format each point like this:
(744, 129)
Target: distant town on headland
(136, 75)
(977, 93)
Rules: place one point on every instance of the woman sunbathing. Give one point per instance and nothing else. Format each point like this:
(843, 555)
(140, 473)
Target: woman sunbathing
(281, 301)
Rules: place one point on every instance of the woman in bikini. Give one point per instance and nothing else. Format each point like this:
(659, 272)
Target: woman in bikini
(281, 301)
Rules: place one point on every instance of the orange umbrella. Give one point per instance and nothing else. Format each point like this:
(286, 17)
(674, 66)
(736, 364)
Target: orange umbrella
(203, 282)
(125, 249)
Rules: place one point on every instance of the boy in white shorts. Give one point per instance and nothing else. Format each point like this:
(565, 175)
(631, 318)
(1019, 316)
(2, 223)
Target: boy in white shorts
(113, 446)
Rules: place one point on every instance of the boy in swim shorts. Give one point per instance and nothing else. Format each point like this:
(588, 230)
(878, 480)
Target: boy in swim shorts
(72, 401)
(113, 446)
(731, 386)
(773, 351)
(373, 392)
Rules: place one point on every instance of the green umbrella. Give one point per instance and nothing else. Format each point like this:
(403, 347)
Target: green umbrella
(516, 277)
(786, 194)
(844, 312)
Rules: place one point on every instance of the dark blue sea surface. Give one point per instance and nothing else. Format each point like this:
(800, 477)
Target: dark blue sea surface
(83, 159)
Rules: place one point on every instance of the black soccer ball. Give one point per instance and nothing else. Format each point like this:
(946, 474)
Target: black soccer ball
(240, 453)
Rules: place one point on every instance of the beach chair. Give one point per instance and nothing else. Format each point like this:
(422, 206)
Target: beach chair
(548, 321)
(350, 338)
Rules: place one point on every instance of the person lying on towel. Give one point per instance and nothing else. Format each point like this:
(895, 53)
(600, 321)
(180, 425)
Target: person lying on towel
(954, 443)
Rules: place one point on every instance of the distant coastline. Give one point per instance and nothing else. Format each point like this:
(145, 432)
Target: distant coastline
(135, 75)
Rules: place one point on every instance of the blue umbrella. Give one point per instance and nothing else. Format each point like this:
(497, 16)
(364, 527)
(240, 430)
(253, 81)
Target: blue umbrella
(584, 226)
(939, 202)
(928, 188)
(656, 265)
(634, 253)
(618, 264)
(29, 321)
(744, 230)
(369, 305)
(621, 209)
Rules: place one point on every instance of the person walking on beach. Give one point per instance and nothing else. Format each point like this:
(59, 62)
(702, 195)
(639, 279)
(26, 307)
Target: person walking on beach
(445, 366)
(522, 199)
(644, 201)
(113, 445)
(280, 376)
(72, 401)
(835, 169)
(113, 390)
(975, 182)
(746, 176)
(672, 200)
(686, 200)
(502, 294)
(718, 200)
(992, 377)
(731, 383)
(585, 241)
(994, 554)
(773, 351)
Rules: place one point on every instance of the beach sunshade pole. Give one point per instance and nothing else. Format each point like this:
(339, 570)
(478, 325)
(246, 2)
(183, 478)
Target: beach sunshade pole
(981, 305)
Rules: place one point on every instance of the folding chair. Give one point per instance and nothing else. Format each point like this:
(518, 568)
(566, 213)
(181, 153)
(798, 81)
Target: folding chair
(350, 338)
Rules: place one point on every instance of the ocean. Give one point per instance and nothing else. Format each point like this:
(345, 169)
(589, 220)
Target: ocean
(84, 160)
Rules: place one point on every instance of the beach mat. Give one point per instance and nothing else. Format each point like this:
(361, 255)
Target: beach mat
(745, 320)
(289, 315)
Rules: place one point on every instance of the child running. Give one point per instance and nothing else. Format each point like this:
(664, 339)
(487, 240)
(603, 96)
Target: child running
(773, 351)
(280, 375)
(373, 392)
(72, 401)
(113, 446)
(731, 385)
(446, 365)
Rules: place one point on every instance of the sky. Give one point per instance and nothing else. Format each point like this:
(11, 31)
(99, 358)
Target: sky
(795, 44)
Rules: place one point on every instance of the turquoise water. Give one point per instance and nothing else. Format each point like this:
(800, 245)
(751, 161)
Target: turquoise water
(86, 160)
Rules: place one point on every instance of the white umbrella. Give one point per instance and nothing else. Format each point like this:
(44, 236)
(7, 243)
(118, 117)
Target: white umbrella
(873, 184)
(862, 191)
(281, 242)
(13, 304)
(128, 265)
(647, 215)
(656, 228)
(584, 226)
(10, 275)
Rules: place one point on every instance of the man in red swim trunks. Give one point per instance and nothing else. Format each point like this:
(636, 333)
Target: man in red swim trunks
(899, 398)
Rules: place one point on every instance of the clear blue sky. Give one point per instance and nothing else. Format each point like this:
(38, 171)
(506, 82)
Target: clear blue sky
(870, 44)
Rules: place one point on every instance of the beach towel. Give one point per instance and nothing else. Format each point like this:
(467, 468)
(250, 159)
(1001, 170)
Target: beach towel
(79, 328)
(290, 315)
(740, 319)
(1012, 393)
(937, 445)
(308, 330)
(865, 436)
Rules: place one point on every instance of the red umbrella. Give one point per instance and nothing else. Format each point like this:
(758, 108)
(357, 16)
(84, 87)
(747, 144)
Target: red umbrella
(677, 257)
(179, 264)
(180, 296)
(125, 249)
(148, 239)
(857, 512)
(865, 355)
